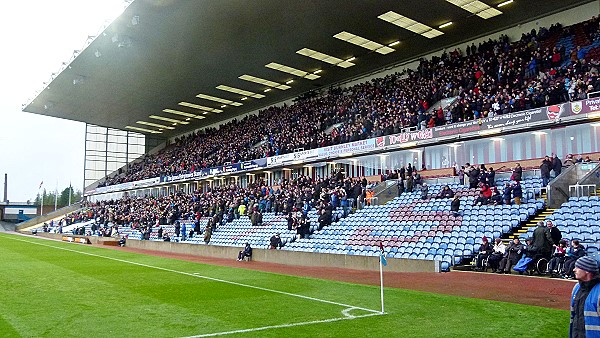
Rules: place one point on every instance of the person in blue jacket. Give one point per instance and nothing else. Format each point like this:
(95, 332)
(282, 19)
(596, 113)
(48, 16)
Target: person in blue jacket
(585, 315)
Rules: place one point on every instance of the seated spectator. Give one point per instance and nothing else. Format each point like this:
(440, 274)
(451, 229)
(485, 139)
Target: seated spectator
(575, 251)
(485, 190)
(485, 249)
(480, 200)
(455, 205)
(256, 218)
(446, 192)
(122, 241)
(166, 237)
(246, 252)
(497, 254)
(496, 198)
(275, 242)
(558, 258)
(511, 257)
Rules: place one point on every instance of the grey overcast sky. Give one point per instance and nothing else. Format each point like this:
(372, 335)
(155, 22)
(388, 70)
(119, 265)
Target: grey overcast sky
(38, 36)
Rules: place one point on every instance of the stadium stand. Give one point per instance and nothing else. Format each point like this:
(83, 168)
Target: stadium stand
(497, 77)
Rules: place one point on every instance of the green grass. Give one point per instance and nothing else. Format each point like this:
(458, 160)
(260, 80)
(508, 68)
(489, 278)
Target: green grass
(45, 291)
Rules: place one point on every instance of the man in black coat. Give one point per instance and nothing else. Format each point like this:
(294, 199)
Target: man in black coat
(545, 168)
(542, 240)
(556, 165)
(455, 205)
(555, 234)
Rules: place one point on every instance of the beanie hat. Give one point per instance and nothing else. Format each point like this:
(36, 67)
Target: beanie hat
(587, 263)
(484, 239)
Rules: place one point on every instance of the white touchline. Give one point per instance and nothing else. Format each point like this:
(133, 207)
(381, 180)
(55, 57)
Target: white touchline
(285, 325)
(203, 277)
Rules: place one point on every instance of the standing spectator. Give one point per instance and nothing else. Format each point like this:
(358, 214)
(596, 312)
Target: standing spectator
(473, 177)
(511, 257)
(424, 191)
(207, 233)
(461, 176)
(455, 205)
(542, 241)
(517, 173)
(409, 183)
(554, 232)
(491, 177)
(507, 194)
(556, 165)
(517, 192)
(545, 168)
(585, 297)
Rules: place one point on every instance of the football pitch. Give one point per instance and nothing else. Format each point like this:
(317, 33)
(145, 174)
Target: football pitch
(59, 289)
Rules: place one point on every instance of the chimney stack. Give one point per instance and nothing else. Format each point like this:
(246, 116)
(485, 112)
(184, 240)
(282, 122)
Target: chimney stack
(5, 188)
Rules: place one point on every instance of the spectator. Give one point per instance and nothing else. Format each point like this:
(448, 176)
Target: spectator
(497, 254)
(511, 257)
(446, 192)
(207, 233)
(473, 177)
(424, 191)
(585, 299)
(507, 194)
(517, 173)
(455, 205)
(575, 252)
(517, 192)
(491, 177)
(558, 258)
(554, 232)
(246, 252)
(275, 242)
(545, 168)
(122, 241)
(496, 198)
(556, 165)
(485, 249)
(542, 240)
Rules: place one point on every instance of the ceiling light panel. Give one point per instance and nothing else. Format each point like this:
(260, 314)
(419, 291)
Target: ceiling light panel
(362, 42)
(476, 7)
(197, 106)
(240, 91)
(267, 83)
(182, 113)
(324, 57)
(293, 71)
(143, 130)
(410, 24)
(218, 99)
(154, 125)
(162, 118)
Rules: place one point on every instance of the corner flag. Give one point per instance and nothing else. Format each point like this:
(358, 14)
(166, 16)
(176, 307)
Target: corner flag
(382, 255)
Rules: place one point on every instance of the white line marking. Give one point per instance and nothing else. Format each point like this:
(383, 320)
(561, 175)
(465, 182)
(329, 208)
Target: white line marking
(200, 276)
(285, 325)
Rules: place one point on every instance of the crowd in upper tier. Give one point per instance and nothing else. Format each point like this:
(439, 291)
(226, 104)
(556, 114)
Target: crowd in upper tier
(494, 77)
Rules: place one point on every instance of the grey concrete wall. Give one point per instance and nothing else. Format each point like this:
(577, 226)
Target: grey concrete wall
(290, 257)
(285, 257)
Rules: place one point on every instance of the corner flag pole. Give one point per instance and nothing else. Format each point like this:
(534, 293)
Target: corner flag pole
(382, 262)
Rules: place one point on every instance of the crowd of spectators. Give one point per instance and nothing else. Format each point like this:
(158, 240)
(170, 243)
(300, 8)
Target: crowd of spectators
(290, 198)
(494, 77)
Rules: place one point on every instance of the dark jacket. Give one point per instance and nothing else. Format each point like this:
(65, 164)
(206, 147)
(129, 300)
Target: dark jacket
(555, 234)
(542, 241)
(545, 168)
(514, 251)
(455, 205)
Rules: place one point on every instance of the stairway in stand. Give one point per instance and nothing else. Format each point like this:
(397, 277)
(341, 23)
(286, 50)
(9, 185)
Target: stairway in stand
(532, 223)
